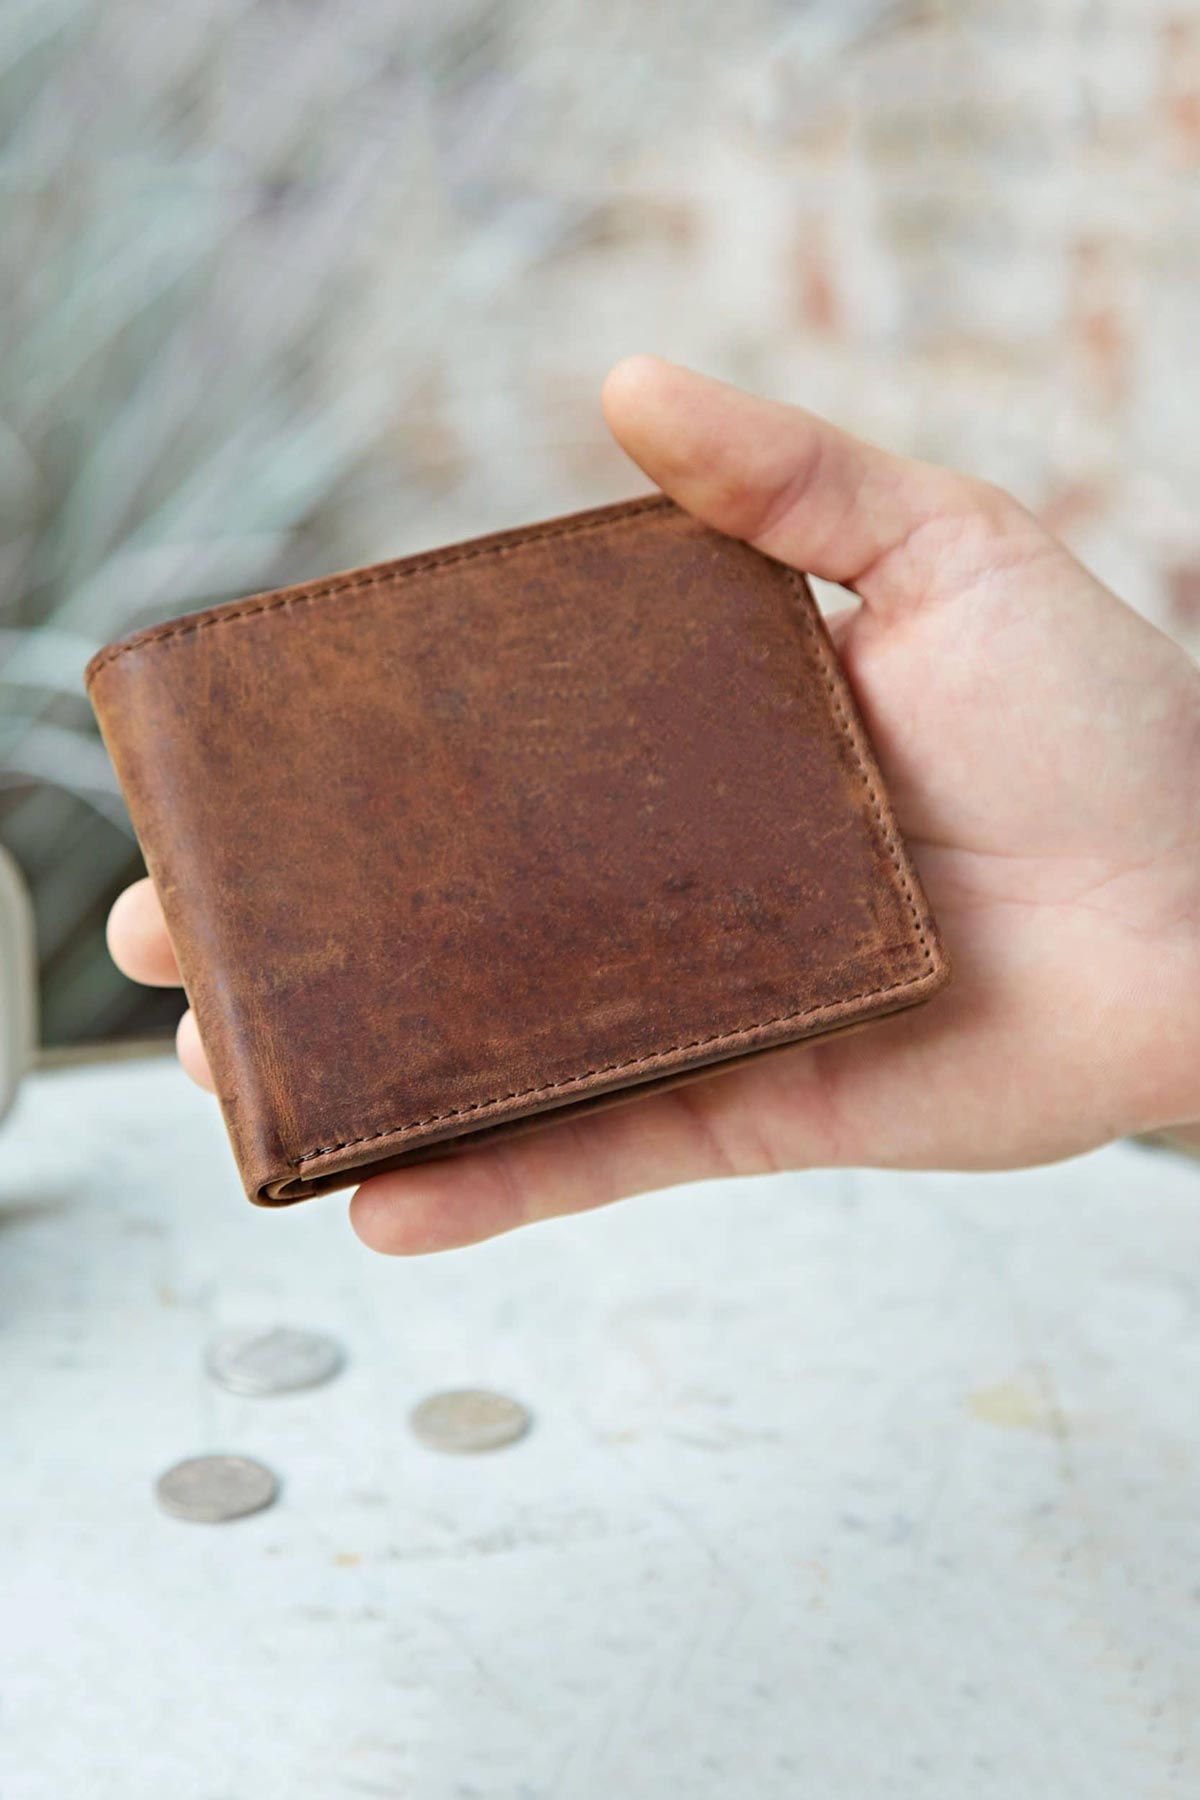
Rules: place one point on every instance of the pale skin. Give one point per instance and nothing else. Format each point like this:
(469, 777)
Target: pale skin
(1042, 746)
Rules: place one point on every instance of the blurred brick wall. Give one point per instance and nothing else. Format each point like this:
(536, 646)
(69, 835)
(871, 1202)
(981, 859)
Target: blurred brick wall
(967, 230)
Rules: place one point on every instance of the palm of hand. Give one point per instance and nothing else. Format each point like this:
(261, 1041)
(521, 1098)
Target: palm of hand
(1042, 747)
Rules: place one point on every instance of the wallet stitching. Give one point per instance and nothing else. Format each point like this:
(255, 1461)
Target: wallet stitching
(804, 606)
(618, 1068)
(832, 673)
(393, 571)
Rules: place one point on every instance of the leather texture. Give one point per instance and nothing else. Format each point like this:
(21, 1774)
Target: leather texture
(481, 838)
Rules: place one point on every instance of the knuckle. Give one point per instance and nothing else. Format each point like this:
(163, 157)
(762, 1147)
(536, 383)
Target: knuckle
(991, 504)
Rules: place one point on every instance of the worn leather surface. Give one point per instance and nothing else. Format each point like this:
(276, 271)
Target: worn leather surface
(485, 836)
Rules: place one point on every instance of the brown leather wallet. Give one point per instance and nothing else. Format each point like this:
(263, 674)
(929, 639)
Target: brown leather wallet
(488, 837)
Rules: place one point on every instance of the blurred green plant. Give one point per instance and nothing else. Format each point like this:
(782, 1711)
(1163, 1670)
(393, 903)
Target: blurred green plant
(207, 331)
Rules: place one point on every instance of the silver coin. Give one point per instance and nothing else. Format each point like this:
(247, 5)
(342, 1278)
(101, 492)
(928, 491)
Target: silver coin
(212, 1489)
(272, 1362)
(466, 1420)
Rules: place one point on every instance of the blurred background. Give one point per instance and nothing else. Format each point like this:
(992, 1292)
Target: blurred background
(290, 285)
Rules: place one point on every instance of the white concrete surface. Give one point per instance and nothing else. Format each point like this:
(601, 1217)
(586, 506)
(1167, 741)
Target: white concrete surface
(841, 1486)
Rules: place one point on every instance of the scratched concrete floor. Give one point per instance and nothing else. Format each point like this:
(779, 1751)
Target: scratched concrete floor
(841, 1486)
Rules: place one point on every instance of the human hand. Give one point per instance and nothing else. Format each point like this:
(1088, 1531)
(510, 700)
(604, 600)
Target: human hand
(1041, 743)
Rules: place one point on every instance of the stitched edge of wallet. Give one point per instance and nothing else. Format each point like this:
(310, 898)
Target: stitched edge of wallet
(407, 568)
(402, 569)
(621, 1068)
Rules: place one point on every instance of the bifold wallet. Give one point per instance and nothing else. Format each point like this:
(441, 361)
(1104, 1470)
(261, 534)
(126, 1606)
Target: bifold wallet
(490, 837)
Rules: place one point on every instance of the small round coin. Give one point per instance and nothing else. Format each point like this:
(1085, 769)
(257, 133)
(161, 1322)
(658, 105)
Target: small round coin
(278, 1361)
(212, 1489)
(467, 1420)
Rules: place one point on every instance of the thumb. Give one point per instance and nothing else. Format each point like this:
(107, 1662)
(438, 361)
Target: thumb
(797, 487)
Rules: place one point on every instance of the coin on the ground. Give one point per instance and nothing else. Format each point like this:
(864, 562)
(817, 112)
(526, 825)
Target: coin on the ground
(211, 1489)
(469, 1419)
(272, 1362)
